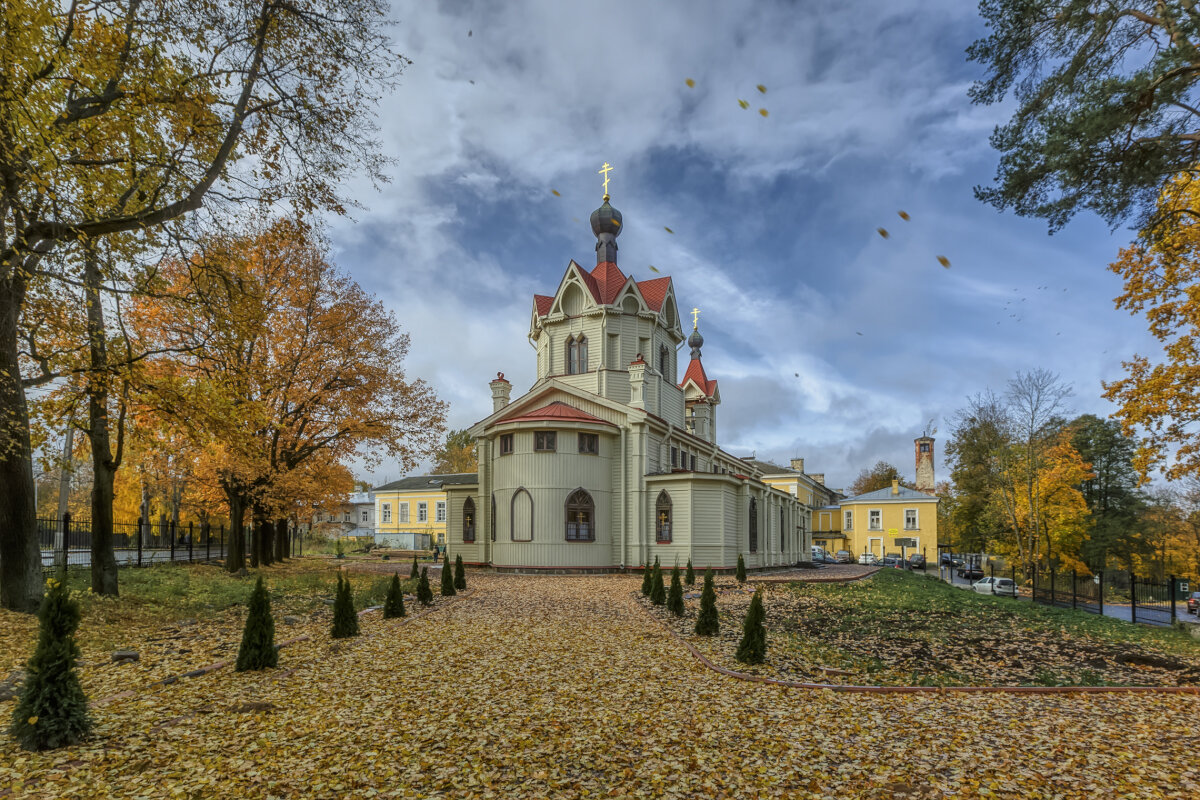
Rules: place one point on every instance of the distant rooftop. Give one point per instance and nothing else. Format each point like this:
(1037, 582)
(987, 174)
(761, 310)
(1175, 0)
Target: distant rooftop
(886, 494)
(429, 483)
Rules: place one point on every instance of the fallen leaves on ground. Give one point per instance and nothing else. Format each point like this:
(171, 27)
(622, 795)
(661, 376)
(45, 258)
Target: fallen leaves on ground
(540, 686)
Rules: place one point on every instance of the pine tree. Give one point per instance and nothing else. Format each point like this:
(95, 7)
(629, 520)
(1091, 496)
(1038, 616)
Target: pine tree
(460, 574)
(258, 649)
(52, 710)
(393, 606)
(647, 579)
(447, 580)
(658, 592)
(424, 593)
(741, 569)
(675, 597)
(690, 577)
(345, 621)
(753, 647)
(414, 573)
(707, 623)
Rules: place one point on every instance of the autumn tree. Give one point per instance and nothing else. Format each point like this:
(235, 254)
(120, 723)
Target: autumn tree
(1106, 104)
(124, 115)
(1112, 495)
(456, 455)
(877, 477)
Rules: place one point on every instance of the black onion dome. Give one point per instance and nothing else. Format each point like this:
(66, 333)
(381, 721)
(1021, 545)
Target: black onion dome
(695, 340)
(606, 219)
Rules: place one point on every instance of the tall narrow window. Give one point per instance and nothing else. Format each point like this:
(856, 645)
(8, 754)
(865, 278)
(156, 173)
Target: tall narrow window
(580, 517)
(440, 511)
(581, 354)
(662, 518)
(693, 463)
(572, 356)
(520, 523)
(753, 525)
(848, 525)
(910, 519)
(493, 525)
(422, 512)
(403, 513)
(469, 520)
(506, 444)
(387, 512)
(674, 456)
(663, 356)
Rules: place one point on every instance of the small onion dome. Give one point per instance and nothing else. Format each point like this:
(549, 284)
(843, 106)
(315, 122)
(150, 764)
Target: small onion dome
(695, 341)
(606, 219)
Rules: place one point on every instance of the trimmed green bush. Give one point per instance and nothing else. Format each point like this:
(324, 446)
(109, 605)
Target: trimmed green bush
(345, 621)
(424, 593)
(460, 574)
(393, 606)
(52, 709)
(675, 596)
(741, 569)
(415, 573)
(447, 580)
(647, 579)
(707, 623)
(258, 649)
(690, 577)
(341, 552)
(753, 647)
(658, 592)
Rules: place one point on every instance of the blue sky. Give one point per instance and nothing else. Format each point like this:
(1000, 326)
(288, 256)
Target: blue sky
(830, 342)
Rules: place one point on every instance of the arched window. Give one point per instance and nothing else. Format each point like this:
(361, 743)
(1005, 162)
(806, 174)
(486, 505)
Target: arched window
(581, 351)
(577, 355)
(521, 516)
(493, 516)
(469, 520)
(662, 518)
(664, 356)
(581, 517)
(753, 525)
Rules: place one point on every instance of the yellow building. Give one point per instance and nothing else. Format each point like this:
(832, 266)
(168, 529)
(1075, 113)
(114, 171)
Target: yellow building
(411, 513)
(890, 520)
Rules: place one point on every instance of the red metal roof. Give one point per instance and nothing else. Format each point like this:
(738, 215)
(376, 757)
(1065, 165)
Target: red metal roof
(695, 372)
(557, 411)
(609, 282)
(605, 282)
(654, 291)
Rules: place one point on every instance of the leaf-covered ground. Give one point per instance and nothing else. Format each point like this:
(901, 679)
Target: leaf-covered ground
(533, 686)
(896, 628)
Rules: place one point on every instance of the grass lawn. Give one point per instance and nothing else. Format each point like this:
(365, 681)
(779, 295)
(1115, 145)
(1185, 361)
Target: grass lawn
(899, 628)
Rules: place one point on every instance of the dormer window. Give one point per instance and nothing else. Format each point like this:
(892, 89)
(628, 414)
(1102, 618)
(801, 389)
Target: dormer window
(577, 355)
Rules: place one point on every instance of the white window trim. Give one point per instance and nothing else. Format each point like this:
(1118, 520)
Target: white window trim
(848, 520)
(364, 516)
(403, 513)
(873, 515)
(916, 512)
(423, 511)
(387, 512)
(439, 511)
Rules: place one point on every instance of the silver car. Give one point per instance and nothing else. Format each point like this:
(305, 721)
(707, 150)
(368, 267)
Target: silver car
(990, 585)
(869, 559)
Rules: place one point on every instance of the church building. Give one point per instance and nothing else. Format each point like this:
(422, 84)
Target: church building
(612, 458)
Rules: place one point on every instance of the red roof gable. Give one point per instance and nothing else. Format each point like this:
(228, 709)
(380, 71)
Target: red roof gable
(695, 372)
(654, 291)
(609, 281)
(543, 304)
(557, 411)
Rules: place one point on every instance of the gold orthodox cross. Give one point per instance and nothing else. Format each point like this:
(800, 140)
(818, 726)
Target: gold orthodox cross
(695, 317)
(604, 171)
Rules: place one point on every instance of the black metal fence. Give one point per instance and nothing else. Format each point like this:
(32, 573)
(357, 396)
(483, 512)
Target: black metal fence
(68, 541)
(1113, 593)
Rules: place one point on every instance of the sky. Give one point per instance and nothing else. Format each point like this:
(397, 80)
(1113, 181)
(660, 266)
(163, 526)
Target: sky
(830, 342)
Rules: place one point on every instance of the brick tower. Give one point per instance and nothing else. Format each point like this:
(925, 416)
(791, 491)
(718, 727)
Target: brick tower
(924, 451)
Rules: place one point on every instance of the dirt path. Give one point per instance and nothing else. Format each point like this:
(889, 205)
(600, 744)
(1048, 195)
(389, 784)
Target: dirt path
(563, 687)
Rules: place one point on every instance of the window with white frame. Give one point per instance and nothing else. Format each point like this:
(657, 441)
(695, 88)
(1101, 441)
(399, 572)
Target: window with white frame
(386, 509)
(875, 519)
(403, 513)
(848, 522)
(422, 512)
(440, 511)
(364, 515)
(910, 519)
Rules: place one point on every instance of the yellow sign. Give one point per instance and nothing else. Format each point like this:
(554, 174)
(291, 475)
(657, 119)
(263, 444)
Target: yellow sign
(893, 531)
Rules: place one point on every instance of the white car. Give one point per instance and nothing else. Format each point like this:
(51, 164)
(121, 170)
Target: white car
(990, 585)
(869, 559)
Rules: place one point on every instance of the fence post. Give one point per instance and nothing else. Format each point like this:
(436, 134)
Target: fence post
(206, 532)
(171, 535)
(1132, 597)
(1100, 589)
(141, 526)
(1033, 595)
(1053, 598)
(1171, 586)
(223, 553)
(1074, 592)
(66, 539)
(191, 538)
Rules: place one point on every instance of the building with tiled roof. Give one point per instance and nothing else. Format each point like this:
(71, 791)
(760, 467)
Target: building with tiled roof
(611, 458)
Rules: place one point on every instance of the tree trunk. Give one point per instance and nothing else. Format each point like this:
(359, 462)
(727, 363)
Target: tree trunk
(255, 537)
(235, 559)
(20, 553)
(104, 465)
(281, 539)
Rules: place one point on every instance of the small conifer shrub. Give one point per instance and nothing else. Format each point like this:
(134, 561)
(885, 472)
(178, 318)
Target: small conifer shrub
(52, 708)
(741, 569)
(393, 606)
(460, 574)
(753, 647)
(690, 577)
(424, 593)
(447, 580)
(647, 579)
(658, 592)
(341, 551)
(675, 596)
(345, 621)
(707, 623)
(414, 573)
(258, 649)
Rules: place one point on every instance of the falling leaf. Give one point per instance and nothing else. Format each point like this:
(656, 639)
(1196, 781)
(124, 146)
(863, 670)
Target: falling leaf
(654, 268)
(859, 333)
(668, 230)
(903, 215)
(762, 88)
(555, 193)
(883, 232)
(33, 720)
(469, 33)
(763, 112)
(691, 83)
(743, 103)
(945, 262)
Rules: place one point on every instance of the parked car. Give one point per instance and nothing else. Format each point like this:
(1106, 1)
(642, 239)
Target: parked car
(916, 561)
(893, 560)
(970, 572)
(843, 556)
(950, 560)
(990, 585)
(1193, 602)
(869, 559)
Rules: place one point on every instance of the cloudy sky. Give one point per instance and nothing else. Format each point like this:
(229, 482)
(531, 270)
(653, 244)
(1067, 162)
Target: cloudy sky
(830, 342)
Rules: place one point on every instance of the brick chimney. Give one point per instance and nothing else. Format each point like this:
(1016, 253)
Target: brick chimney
(501, 392)
(798, 464)
(895, 486)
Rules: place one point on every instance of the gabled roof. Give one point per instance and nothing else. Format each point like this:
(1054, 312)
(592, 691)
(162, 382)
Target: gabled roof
(654, 291)
(886, 494)
(557, 411)
(543, 304)
(605, 282)
(609, 280)
(430, 483)
(695, 372)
